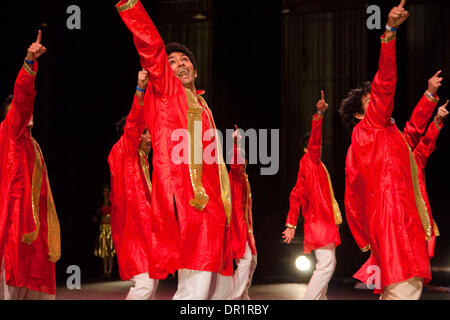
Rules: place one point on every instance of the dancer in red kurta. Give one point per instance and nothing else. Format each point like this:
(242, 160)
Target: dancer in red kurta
(182, 178)
(132, 223)
(313, 192)
(29, 227)
(385, 209)
(422, 152)
(243, 240)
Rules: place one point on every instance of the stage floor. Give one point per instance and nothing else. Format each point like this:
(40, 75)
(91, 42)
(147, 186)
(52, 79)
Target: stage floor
(338, 290)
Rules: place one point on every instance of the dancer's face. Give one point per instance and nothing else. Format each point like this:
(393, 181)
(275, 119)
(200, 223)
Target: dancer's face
(183, 68)
(364, 103)
(146, 142)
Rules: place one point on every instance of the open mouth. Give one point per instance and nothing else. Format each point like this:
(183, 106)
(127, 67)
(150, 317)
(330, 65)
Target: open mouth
(182, 72)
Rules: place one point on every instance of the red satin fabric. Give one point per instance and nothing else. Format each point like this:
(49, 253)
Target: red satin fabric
(25, 265)
(241, 232)
(312, 194)
(379, 198)
(132, 223)
(202, 234)
(422, 152)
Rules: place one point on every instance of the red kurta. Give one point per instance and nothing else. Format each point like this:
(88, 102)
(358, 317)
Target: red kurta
(241, 218)
(384, 208)
(29, 237)
(422, 152)
(313, 192)
(132, 224)
(200, 191)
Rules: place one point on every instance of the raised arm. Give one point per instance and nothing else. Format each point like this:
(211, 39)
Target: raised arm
(381, 103)
(427, 143)
(150, 47)
(22, 104)
(417, 124)
(315, 140)
(237, 162)
(354, 202)
(135, 124)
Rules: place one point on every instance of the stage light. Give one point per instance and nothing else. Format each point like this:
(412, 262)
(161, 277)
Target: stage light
(199, 16)
(303, 263)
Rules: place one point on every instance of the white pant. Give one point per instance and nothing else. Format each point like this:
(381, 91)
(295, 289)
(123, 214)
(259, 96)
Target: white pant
(202, 285)
(144, 287)
(20, 293)
(410, 289)
(242, 277)
(326, 263)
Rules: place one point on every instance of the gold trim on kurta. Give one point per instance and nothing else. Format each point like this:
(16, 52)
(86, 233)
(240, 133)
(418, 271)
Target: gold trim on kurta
(366, 248)
(334, 204)
(145, 169)
(36, 185)
(420, 203)
(28, 69)
(430, 97)
(436, 229)
(225, 190)
(247, 203)
(437, 124)
(130, 4)
(389, 39)
(195, 128)
(291, 226)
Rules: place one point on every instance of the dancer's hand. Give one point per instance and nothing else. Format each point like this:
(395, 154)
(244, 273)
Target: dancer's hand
(236, 135)
(143, 79)
(434, 83)
(321, 104)
(288, 235)
(398, 15)
(36, 49)
(442, 112)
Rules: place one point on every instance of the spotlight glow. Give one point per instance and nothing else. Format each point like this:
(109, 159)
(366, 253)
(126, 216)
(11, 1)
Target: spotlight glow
(303, 263)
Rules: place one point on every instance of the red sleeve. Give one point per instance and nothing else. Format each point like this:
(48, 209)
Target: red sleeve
(134, 126)
(381, 103)
(315, 140)
(295, 200)
(417, 124)
(427, 144)
(150, 47)
(354, 202)
(23, 101)
(237, 163)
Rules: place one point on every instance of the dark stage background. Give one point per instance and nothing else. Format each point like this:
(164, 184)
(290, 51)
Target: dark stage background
(262, 63)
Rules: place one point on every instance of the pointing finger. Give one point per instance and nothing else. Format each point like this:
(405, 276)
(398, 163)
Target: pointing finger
(402, 4)
(39, 37)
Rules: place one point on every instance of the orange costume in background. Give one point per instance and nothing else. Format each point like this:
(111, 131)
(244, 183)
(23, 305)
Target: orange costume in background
(385, 209)
(313, 192)
(29, 227)
(131, 214)
(199, 189)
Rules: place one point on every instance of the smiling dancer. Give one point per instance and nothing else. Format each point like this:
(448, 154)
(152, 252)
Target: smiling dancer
(29, 227)
(190, 194)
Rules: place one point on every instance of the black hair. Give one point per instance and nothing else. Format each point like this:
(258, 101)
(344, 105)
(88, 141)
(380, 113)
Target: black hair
(178, 47)
(305, 140)
(352, 104)
(5, 103)
(120, 126)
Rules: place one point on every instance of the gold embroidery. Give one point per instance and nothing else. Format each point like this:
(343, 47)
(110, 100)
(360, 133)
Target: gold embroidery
(334, 204)
(36, 184)
(291, 226)
(145, 169)
(28, 69)
(54, 232)
(247, 203)
(128, 5)
(436, 229)
(386, 40)
(225, 190)
(420, 203)
(194, 122)
(366, 248)
(431, 98)
(436, 124)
